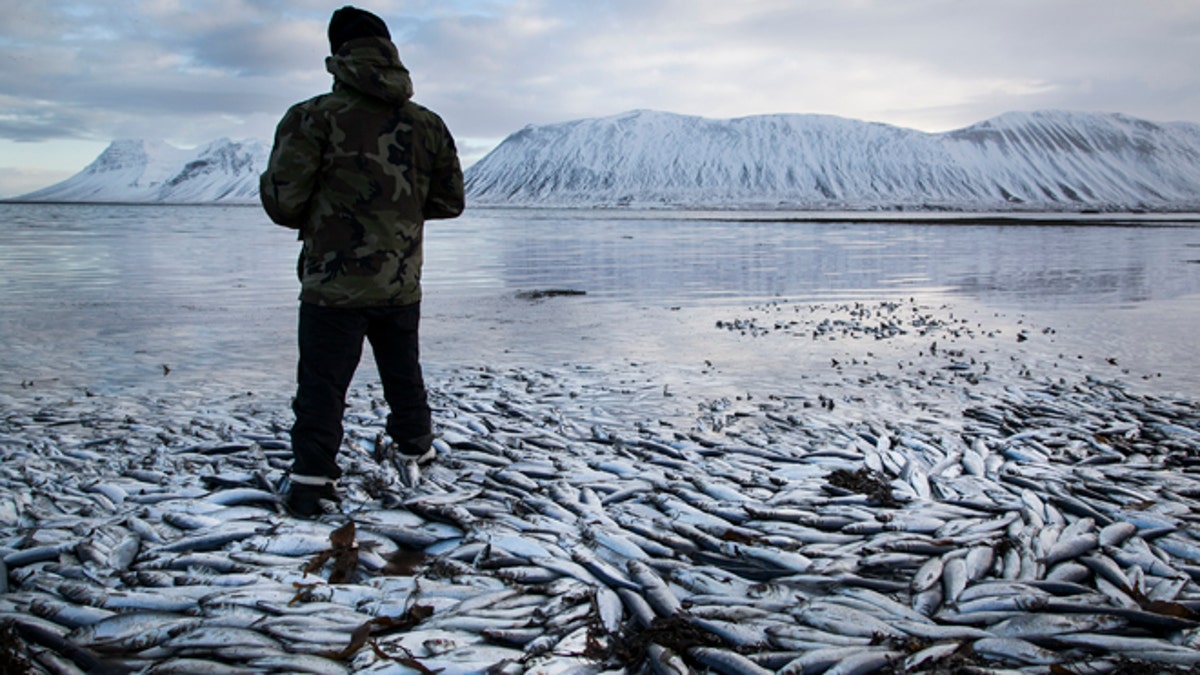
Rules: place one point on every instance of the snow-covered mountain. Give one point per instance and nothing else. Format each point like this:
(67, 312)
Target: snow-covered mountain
(137, 171)
(1043, 161)
(1048, 160)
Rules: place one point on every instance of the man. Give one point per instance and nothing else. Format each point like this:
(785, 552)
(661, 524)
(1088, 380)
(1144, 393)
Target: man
(358, 171)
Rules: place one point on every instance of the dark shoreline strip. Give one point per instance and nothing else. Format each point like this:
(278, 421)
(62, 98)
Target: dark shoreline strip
(937, 219)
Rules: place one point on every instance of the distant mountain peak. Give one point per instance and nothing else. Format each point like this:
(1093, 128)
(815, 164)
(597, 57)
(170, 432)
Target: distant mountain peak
(153, 171)
(1039, 160)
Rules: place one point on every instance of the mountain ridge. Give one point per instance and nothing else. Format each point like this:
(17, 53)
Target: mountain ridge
(1055, 161)
(1043, 160)
(140, 171)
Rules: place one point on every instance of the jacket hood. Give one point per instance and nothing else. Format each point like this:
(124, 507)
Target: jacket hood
(372, 67)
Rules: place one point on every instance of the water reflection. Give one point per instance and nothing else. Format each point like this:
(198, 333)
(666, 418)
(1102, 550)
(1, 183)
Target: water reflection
(1034, 267)
(109, 294)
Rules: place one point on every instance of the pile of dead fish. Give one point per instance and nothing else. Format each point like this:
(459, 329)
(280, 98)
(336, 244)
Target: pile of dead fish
(881, 320)
(1043, 529)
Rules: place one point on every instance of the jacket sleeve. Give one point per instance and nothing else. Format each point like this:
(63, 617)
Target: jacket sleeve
(445, 199)
(287, 185)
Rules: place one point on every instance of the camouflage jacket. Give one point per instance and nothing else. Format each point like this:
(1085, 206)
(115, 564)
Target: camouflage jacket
(358, 171)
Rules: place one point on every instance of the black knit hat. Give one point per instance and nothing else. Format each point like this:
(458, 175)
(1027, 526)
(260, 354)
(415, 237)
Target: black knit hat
(351, 23)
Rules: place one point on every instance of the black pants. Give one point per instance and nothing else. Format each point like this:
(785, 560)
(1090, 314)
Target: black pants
(331, 342)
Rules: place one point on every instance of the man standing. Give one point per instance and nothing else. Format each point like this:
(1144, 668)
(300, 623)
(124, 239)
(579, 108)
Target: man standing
(358, 171)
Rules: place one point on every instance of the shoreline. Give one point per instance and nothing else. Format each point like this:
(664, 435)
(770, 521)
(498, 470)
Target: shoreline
(880, 216)
(897, 215)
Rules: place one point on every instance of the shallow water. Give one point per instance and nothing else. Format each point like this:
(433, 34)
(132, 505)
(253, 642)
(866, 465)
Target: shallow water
(157, 298)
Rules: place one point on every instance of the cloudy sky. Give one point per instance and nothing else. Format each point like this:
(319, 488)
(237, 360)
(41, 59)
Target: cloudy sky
(74, 75)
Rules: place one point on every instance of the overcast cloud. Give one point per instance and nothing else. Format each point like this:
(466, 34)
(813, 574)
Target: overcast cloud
(75, 75)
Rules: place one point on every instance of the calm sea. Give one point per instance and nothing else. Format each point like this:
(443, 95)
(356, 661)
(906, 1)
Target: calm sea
(147, 298)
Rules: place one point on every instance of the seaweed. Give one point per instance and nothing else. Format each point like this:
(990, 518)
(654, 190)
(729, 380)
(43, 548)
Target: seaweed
(12, 651)
(864, 481)
(674, 633)
(343, 552)
(548, 293)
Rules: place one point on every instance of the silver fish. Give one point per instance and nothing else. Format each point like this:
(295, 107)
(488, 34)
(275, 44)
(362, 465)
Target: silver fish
(1015, 650)
(727, 662)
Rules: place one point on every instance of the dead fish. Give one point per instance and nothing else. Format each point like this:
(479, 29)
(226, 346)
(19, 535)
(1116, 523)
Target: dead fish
(36, 554)
(306, 664)
(243, 497)
(1042, 626)
(954, 579)
(204, 637)
(664, 661)
(196, 666)
(210, 540)
(845, 621)
(730, 663)
(190, 521)
(654, 589)
(928, 574)
(864, 662)
(1015, 650)
(68, 615)
(133, 631)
